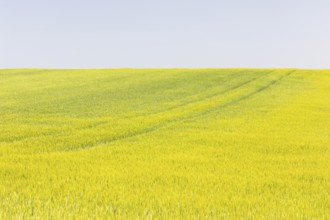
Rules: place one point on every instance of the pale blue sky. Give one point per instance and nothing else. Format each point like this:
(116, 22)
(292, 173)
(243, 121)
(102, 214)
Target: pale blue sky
(167, 33)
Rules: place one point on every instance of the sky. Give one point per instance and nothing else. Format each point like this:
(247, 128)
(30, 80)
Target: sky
(164, 34)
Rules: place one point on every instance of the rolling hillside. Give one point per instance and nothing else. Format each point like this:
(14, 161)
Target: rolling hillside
(165, 143)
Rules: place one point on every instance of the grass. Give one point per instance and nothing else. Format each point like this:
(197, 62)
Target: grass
(164, 143)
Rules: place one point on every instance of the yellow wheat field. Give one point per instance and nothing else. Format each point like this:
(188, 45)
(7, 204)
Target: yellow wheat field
(164, 144)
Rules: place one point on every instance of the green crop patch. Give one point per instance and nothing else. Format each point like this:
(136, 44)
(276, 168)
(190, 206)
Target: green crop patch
(164, 144)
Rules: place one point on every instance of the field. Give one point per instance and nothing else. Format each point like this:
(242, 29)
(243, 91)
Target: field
(164, 144)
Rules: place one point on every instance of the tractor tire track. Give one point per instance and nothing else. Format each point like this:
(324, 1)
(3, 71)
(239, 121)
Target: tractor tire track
(156, 127)
(206, 97)
(249, 95)
(94, 125)
(179, 119)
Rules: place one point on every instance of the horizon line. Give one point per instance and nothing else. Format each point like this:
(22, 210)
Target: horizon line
(90, 68)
